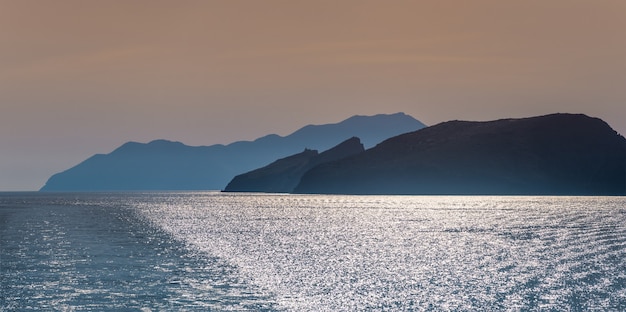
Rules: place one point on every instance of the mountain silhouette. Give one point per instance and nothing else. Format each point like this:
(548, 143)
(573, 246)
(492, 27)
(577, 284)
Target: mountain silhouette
(558, 154)
(167, 165)
(283, 175)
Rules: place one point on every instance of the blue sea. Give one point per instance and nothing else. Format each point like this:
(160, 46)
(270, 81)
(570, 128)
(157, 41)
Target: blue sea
(211, 251)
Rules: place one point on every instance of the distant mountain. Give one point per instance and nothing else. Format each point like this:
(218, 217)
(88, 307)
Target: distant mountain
(283, 175)
(559, 154)
(166, 165)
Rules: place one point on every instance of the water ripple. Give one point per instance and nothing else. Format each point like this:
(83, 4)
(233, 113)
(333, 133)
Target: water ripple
(350, 253)
(242, 252)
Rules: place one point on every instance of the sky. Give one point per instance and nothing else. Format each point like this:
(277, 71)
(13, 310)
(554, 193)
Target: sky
(82, 77)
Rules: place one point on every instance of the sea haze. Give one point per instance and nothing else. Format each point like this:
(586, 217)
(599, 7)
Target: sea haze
(244, 251)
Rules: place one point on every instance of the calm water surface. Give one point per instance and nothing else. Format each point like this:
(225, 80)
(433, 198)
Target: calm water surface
(264, 252)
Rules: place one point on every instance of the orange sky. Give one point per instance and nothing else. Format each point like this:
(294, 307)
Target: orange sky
(82, 77)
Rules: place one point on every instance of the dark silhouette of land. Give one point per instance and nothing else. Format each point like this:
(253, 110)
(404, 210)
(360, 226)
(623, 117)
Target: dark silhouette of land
(283, 175)
(559, 154)
(166, 165)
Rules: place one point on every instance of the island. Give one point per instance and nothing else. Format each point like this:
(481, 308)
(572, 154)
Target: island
(557, 154)
(166, 165)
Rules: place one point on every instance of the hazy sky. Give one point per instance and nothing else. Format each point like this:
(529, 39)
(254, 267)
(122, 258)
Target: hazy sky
(83, 77)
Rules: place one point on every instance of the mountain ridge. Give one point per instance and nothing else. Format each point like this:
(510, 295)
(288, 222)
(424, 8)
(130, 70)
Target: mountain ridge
(171, 165)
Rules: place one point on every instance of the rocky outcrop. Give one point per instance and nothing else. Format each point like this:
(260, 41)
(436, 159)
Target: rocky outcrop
(283, 175)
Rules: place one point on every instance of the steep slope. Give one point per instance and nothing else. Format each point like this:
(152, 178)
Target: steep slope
(166, 165)
(283, 175)
(559, 154)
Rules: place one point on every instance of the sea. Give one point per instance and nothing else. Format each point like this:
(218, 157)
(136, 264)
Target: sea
(212, 251)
